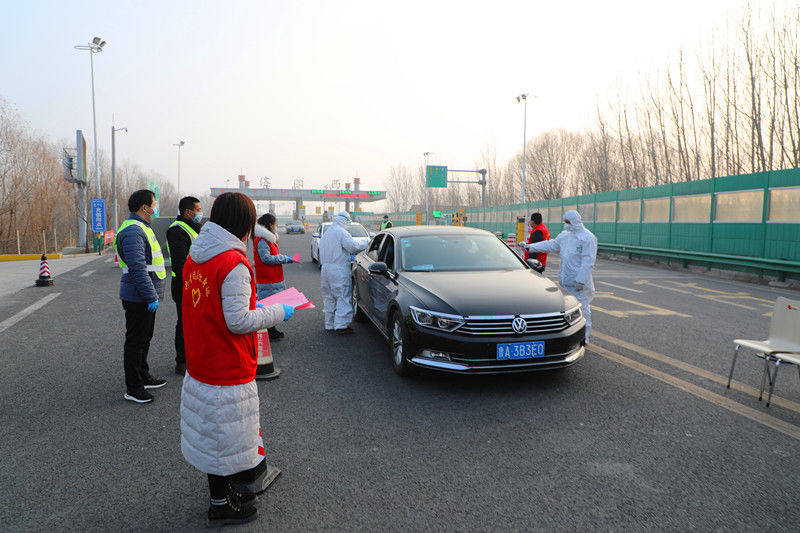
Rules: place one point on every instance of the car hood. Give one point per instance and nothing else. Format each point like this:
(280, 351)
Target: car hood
(495, 292)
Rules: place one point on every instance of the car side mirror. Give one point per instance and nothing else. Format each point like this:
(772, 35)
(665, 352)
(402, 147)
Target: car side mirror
(372, 234)
(315, 235)
(535, 265)
(379, 267)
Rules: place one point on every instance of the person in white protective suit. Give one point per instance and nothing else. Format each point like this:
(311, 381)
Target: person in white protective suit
(577, 247)
(335, 248)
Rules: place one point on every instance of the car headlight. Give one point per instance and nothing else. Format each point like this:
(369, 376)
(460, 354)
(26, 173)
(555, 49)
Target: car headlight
(573, 313)
(432, 319)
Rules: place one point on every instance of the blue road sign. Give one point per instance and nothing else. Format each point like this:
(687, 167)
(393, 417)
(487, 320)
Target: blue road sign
(98, 215)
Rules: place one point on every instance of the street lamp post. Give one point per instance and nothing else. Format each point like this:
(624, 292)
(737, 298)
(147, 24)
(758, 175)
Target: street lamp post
(179, 144)
(94, 47)
(524, 98)
(114, 171)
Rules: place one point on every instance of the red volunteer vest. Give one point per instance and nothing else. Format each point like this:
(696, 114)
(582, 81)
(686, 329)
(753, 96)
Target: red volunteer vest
(214, 355)
(267, 273)
(542, 258)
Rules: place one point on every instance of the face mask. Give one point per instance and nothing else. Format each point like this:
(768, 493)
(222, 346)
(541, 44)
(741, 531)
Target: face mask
(198, 217)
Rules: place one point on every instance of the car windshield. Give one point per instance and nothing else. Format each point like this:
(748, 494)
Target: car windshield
(432, 253)
(357, 230)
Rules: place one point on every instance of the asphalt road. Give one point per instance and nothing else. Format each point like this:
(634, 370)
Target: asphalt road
(640, 434)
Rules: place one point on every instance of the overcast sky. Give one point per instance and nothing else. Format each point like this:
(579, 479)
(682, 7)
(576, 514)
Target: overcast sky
(329, 89)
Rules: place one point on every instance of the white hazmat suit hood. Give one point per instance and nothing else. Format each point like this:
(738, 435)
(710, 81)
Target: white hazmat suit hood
(575, 224)
(577, 247)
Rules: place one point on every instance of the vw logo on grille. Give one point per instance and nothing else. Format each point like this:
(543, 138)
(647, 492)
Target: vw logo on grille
(519, 325)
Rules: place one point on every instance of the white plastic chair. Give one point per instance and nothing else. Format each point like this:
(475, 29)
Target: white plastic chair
(782, 346)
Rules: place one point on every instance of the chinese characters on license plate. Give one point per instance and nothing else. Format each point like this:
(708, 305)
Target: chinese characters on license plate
(520, 350)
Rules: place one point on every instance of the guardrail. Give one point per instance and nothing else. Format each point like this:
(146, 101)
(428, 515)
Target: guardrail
(760, 264)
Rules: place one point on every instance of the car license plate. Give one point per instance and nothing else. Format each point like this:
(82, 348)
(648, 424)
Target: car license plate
(520, 350)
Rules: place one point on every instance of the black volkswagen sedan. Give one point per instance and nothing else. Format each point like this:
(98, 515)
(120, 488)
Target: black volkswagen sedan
(457, 299)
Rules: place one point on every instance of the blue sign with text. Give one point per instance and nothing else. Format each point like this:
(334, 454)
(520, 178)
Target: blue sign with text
(98, 215)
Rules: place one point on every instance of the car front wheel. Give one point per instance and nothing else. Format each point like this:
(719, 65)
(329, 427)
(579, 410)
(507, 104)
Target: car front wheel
(397, 337)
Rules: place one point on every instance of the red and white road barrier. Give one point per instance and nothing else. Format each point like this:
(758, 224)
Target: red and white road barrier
(511, 239)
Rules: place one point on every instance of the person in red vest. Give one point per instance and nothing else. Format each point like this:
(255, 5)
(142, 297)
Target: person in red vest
(268, 262)
(539, 232)
(219, 400)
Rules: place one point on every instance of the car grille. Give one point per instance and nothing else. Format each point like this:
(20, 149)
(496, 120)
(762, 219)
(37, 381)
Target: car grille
(501, 325)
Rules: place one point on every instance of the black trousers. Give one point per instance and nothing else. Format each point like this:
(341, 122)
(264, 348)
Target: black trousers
(180, 348)
(139, 325)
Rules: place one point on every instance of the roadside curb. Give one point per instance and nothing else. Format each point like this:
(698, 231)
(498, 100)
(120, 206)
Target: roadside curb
(27, 257)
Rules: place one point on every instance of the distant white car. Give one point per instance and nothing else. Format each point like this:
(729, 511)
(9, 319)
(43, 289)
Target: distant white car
(359, 233)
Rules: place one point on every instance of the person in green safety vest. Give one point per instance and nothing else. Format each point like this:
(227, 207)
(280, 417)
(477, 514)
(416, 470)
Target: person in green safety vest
(386, 222)
(140, 289)
(180, 236)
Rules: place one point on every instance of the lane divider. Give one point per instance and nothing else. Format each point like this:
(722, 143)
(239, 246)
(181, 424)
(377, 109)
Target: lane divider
(716, 378)
(87, 274)
(704, 394)
(7, 323)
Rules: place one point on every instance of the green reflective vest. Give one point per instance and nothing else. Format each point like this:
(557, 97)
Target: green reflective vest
(157, 264)
(188, 229)
(386, 224)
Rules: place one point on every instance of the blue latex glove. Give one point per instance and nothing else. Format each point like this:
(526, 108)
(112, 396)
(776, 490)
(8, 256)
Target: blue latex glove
(289, 260)
(288, 311)
(152, 306)
(259, 306)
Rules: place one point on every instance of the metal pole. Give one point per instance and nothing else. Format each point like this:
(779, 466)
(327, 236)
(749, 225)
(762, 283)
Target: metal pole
(427, 208)
(19, 251)
(483, 188)
(524, 138)
(55, 239)
(94, 122)
(44, 242)
(114, 175)
(179, 172)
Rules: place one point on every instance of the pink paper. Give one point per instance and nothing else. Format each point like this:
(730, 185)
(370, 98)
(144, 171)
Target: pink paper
(296, 258)
(290, 296)
(307, 305)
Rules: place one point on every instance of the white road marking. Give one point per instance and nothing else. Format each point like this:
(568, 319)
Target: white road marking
(87, 273)
(620, 287)
(109, 260)
(7, 323)
(705, 394)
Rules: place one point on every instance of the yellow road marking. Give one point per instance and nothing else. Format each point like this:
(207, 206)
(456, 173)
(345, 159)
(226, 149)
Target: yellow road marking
(716, 295)
(647, 311)
(716, 378)
(704, 394)
(742, 294)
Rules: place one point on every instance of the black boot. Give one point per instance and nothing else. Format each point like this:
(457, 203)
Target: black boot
(274, 333)
(245, 498)
(230, 513)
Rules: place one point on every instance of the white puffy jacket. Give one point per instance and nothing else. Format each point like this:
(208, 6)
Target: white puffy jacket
(219, 424)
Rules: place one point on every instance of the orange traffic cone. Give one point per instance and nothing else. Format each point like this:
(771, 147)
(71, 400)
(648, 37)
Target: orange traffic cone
(266, 369)
(45, 279)
(258, 478)
(116, 260)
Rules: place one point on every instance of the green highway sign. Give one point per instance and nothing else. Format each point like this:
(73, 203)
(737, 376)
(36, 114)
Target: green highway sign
(435, 176)
(437, 214)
